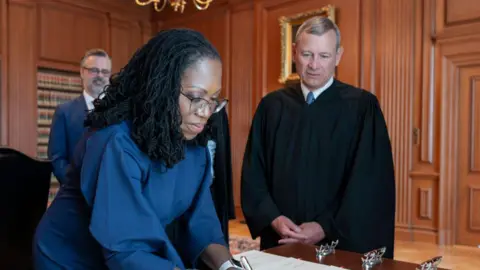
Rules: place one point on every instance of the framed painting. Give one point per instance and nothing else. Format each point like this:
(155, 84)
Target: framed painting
(289, 26)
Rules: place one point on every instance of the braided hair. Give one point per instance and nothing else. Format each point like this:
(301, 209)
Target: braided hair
(146, 92)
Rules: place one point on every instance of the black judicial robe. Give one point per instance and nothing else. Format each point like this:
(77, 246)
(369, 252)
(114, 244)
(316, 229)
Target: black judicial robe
(222, 186)
(329, 162)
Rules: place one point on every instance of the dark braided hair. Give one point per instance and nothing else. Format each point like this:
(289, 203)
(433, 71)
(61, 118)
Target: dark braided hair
(146, 92)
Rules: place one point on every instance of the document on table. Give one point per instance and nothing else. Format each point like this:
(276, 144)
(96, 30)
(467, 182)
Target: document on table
(263, 261)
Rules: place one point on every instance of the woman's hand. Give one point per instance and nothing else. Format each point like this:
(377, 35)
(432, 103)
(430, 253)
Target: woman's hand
(215, 255)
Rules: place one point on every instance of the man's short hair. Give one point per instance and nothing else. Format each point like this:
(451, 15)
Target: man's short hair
(94, 52)
(318, 26)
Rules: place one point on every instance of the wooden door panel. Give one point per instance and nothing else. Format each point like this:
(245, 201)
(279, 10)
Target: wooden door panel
(468, 188)
(461, 12)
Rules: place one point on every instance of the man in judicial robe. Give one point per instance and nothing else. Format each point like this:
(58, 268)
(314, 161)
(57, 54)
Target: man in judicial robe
(318, 164)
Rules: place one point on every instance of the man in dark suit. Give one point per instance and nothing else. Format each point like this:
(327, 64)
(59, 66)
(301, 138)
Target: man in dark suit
(67, 123)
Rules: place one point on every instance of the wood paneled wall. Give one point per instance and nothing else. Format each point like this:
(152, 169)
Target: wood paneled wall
(56, 34)
(421, 58)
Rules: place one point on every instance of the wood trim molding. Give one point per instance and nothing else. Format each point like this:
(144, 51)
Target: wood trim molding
(260, 47)
(227, 57)
(3, 73)
(22, 109)
(368, 28)
(446, 31)
(426, 203)
(58, 65)
(472, 214)
(449, 152)
(429, 123)
(452, 61)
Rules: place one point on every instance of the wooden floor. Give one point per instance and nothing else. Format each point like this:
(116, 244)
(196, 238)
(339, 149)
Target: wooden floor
(457, 257)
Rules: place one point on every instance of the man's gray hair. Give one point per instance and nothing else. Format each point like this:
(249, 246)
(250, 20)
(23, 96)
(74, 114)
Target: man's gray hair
(94, 52)
(318, 26)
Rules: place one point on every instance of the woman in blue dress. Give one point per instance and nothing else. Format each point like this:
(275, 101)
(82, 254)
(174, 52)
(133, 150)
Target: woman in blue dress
(143, 164)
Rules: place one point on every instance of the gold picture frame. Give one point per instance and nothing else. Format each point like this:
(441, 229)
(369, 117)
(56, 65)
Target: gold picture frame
(289, 26)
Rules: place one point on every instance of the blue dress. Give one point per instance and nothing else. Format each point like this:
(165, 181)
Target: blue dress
(116, 203)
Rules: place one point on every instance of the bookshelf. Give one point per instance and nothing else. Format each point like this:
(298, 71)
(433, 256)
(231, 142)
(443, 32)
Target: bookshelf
(54, 87)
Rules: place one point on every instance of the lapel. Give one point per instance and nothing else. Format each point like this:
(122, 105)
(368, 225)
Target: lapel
(81, 104)
(78, 114)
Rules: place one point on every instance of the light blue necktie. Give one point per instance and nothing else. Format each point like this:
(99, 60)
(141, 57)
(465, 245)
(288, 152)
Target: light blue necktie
(310, 98)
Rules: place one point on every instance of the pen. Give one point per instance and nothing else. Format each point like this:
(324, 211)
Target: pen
(245, 263)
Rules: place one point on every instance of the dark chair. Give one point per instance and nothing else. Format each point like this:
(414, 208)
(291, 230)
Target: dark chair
(24, 187)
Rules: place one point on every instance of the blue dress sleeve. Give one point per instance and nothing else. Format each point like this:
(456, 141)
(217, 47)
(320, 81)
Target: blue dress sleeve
(201, 221)
(122, 221)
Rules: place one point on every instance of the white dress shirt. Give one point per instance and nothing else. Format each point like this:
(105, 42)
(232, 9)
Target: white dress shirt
(318, 91)
(88, 100)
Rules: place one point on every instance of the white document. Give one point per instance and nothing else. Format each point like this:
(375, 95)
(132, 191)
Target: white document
(264, 261)
(260, 260)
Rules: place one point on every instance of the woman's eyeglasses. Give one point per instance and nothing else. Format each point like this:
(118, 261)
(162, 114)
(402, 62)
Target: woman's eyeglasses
(199, 104)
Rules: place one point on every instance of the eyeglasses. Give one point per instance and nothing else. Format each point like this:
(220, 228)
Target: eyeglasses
(199, 104)
(96, 71)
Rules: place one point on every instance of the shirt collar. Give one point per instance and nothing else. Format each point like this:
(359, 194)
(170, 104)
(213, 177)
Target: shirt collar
(88, 100)
(318, 91)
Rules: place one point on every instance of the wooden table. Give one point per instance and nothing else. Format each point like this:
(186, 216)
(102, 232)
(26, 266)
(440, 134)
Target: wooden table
(349, 260)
